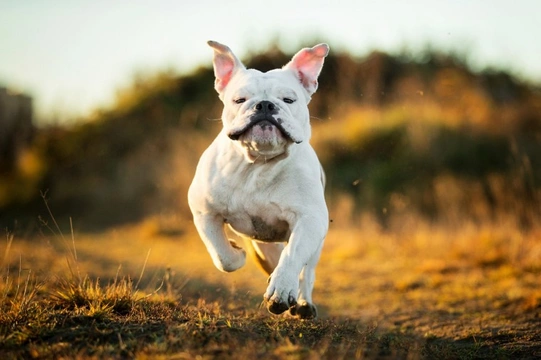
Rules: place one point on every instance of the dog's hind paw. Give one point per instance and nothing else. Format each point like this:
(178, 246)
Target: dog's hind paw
(303, 310)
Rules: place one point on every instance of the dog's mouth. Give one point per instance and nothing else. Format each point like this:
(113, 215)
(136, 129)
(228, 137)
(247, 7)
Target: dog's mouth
(267, 126)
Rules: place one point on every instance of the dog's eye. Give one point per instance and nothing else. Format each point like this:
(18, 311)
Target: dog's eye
(289, 100)
(239, 100)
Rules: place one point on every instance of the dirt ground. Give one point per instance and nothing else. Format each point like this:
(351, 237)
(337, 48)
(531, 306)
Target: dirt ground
(474, 287)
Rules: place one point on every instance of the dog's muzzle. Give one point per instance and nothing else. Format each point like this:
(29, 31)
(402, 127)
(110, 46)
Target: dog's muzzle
(263, 115)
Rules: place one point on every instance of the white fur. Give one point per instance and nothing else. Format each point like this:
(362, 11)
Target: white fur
(269, 186)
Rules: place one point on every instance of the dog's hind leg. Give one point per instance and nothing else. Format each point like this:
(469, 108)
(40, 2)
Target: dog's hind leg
(265, 254)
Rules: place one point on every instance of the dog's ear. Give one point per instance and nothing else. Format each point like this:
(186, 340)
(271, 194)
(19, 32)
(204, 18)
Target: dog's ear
(307, 64)
(225, 64)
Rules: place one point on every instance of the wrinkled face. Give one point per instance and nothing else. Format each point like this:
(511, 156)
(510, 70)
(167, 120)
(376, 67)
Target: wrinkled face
(265, 113)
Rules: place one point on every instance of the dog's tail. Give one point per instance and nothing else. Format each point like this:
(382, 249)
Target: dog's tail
(266, 255)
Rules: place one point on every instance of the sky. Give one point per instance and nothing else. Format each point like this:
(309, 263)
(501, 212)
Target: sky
(71, 56)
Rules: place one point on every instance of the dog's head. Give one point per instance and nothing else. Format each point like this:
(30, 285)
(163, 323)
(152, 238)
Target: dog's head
(264, 113)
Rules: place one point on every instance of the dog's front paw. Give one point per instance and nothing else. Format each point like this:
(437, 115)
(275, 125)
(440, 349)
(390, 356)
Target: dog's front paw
(281, 294)
(278, 306)
(232, 260)
(304, 310)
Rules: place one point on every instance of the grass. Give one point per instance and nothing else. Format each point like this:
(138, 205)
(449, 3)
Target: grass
(416, 290)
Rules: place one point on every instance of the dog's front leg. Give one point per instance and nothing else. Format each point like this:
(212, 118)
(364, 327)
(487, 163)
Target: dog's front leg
(226, 254)
(301, 252)
(305, 308)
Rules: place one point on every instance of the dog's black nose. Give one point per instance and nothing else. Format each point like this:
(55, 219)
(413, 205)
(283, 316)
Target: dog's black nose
(265, 107)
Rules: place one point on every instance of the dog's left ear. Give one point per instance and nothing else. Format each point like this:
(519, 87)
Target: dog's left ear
(226, 64)
(307, 64)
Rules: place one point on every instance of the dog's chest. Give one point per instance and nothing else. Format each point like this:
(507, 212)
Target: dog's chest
(254, 207)
(258, 228)
(256, 215)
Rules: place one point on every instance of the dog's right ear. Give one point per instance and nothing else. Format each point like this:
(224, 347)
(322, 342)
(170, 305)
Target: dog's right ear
(225, 64)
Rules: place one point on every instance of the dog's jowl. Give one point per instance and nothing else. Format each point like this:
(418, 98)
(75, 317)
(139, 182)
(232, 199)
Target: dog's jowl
(261, 177)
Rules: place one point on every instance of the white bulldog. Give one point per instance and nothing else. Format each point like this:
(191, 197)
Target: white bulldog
(262, 178)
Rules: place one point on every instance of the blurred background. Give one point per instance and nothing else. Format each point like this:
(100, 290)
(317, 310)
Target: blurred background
(425, 111)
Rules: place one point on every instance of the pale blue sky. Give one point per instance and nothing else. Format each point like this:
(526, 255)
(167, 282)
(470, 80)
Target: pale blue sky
(72, 55)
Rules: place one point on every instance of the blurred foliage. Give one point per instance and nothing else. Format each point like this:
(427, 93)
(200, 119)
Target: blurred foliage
(395, 134)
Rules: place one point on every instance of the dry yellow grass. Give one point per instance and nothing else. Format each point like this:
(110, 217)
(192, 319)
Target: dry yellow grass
(469, 290)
